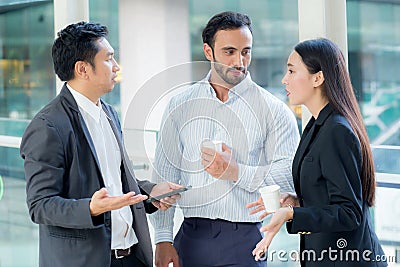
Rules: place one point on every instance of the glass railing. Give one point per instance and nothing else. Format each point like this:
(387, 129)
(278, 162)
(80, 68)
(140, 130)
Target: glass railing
(11, 130)
(19, 236)
(386, 211)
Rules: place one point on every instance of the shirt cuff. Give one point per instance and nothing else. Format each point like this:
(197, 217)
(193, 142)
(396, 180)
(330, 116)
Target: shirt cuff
(246, 178)
(163, 236)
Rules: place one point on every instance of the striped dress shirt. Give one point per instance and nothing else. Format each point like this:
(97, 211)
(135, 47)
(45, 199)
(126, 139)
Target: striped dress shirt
(261, 132)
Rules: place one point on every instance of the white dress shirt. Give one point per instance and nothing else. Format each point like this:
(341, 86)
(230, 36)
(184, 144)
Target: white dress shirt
(109, 156)
(261, 131)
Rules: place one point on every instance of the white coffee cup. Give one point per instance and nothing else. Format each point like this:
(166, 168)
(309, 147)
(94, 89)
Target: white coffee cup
(271, 197)
(212, 144)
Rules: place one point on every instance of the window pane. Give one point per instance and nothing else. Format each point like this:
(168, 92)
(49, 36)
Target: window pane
(27, 81)
(106, 12)
(374, 61)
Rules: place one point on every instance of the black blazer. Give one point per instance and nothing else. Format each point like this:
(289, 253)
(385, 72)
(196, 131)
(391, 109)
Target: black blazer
(62, 173)
(333, 216)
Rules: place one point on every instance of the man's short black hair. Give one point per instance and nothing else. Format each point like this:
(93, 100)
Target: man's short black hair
(224, 21)
(76, 42)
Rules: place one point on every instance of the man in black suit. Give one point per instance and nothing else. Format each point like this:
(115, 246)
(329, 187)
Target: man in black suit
(81, 189)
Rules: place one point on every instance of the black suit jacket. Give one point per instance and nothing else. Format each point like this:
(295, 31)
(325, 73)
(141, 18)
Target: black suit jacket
(62, 173)
(333, 216)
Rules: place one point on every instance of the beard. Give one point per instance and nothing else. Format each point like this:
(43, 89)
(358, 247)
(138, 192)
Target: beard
(226, 74)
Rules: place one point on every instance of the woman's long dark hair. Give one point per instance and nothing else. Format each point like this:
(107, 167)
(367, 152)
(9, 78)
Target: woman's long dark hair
(323, 55)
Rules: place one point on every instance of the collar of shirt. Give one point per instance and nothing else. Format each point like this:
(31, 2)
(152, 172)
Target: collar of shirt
(324, 114)
(109, 156)
(86, 104)
(235, 91)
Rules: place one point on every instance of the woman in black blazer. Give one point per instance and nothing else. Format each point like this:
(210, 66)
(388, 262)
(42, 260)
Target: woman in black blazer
(333, 170)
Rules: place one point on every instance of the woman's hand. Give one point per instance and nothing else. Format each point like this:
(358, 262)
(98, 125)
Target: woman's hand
(281, 216)
(260, 250)
(286, 199)
(289, 199)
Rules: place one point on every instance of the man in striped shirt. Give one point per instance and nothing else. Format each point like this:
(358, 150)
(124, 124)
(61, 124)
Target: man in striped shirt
(259, 137)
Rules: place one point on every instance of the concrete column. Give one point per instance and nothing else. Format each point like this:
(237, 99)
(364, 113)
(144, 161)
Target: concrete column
(322, 18)
(67, 12)
(154, 35)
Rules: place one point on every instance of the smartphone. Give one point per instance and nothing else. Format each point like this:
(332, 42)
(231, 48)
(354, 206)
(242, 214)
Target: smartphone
(173, 192)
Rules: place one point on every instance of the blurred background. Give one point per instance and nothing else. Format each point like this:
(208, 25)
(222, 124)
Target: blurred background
(150, 36)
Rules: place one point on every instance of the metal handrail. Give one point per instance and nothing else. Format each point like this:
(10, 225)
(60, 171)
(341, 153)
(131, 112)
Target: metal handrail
(10, 141)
